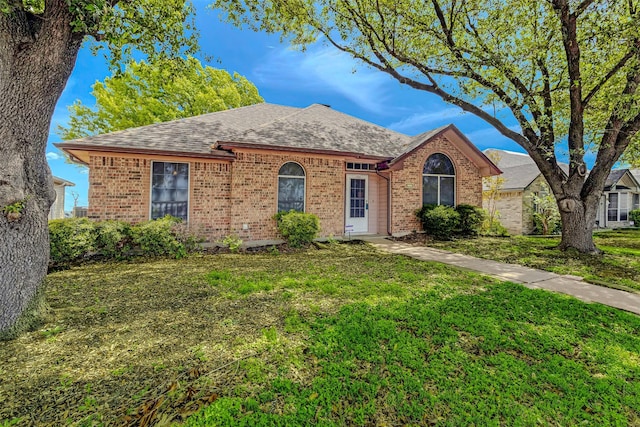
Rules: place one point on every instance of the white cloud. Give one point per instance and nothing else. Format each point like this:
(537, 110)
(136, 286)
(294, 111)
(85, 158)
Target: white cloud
(325, 68)
(423, 119)
(53, 156)
(490, 137)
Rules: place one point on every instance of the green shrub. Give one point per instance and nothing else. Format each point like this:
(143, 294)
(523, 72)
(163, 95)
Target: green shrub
(634, 216)
(113, 239)
(471, 218)
(440, 222)
(232, 242)
(493, 228)
(157, 237)
(420, 213)
(70, 239)
(297, 228)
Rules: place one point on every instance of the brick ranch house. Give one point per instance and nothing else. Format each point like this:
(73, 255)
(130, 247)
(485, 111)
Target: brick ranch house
(229, 172)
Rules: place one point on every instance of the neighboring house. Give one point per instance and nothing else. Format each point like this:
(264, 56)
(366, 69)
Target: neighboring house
(522, 180)
(57, 209)
(229, 172)
(621, 195)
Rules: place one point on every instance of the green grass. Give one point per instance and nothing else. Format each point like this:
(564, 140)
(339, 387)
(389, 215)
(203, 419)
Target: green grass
(618, 267)
(344, 335)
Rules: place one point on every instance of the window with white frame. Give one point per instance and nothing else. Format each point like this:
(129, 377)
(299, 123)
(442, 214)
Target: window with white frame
(438, 181)
(170, 190)
(612, 207)
(291, 187)
(636, 202)
(618, 207)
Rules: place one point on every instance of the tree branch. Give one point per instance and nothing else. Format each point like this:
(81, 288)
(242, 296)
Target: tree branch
(614, 70)
(568, 23)
(582, 7)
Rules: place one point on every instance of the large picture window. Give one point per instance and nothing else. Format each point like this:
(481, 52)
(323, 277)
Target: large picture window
(170, 190)
(291, 185)
(438, 181)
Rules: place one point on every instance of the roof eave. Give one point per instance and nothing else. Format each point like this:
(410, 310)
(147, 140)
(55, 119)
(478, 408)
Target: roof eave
(227, 145)
(65, 146)
(493, 169)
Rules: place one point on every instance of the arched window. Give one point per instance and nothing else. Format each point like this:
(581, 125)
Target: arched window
(438, 181)
(291, 183)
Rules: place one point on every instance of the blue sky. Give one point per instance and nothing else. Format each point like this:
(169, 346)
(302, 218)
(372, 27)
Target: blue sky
(288, 77)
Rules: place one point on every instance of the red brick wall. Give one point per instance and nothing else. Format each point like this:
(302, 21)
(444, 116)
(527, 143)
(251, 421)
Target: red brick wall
(254, 200)
(210, 197)
(223, 195)
(406, 184)
(119, 188)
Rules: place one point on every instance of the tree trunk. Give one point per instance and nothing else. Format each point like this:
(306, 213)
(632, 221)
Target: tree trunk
(37, 55)
(578, 220)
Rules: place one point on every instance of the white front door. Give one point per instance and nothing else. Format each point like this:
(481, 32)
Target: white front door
(357, 206)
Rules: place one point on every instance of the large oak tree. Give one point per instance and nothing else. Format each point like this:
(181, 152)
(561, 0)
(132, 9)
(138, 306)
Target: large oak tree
(558, 72)
(39, 42)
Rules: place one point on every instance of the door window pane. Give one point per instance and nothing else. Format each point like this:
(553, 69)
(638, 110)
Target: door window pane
(357, 199)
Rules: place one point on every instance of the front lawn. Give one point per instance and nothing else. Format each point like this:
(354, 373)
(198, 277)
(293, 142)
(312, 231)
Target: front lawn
(344, 335)
(618, 267)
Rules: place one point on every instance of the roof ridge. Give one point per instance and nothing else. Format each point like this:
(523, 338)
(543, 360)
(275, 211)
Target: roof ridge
(386, 129)
(286, 116)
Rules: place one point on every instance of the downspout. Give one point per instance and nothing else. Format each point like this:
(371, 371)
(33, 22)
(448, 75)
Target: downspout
(388, 198)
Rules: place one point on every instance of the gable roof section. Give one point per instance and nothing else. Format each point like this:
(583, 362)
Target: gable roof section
(192, 135)
(616, 177)
(453, 134)
(316, 128)
(63, 182)
(519, 177)
(509, 159)
(320, 128)
(518, 169)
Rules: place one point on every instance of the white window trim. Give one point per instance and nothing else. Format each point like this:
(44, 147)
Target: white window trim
(304, 180)
(455, 192)
(620, 195)
(188, 186)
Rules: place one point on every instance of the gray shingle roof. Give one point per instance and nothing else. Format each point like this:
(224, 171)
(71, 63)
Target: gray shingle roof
(518, 169)
(614, 176)
(508, 159)
(193, 134)
(316, 127)
(319, 127)
(519, 177)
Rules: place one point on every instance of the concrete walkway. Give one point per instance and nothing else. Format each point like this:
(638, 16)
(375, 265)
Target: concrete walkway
(529, 277)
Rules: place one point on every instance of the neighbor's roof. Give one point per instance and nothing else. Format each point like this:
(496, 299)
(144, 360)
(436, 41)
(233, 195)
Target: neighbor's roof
(316, 128)
(616, 175)
(64, 182)
(518, 169)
